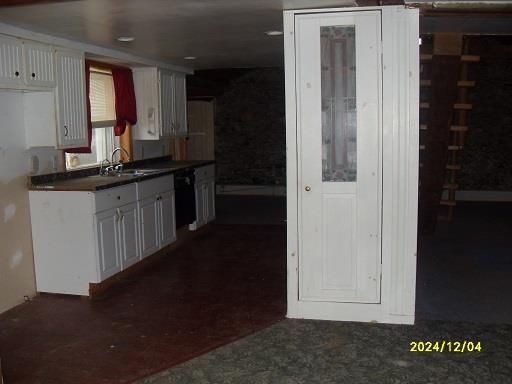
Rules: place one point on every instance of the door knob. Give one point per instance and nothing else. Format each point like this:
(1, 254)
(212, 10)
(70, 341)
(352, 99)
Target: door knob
(308, 188)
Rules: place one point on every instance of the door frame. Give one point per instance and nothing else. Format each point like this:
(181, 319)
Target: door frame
(400, 149)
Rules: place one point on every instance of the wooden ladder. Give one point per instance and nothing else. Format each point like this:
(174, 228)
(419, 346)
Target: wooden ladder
(458, 129)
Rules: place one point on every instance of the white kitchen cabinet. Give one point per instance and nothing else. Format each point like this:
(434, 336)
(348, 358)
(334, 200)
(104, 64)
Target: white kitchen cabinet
(180, 105)
(39, 64)
(11, 62)
(71, 99)
(167, 105)
(148, 209)
(26, 64)
(205, 196)
(107, 232)
(157, 212)
(161, 103)
(167, 218)
(128, 218)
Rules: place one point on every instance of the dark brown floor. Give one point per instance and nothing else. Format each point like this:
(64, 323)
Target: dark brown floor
(227, 283)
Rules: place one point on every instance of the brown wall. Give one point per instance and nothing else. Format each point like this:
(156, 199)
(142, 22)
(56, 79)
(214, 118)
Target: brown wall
(250, 131)
(487, 158)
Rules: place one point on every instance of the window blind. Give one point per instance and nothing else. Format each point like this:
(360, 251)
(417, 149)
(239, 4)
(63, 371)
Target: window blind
(102, 99)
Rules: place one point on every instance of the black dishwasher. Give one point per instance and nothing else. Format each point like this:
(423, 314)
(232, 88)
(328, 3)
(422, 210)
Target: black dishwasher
(185, 196)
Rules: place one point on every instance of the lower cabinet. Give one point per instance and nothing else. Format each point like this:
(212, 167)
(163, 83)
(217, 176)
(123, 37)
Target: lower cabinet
(84, 237)
(158, 219)
(205, 196)
(117, 237)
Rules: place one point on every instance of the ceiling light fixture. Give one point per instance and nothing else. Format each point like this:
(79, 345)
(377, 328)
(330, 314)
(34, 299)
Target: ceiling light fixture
(190, 57)
(125, 39)
(274, 33)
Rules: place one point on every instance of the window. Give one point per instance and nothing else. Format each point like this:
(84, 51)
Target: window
(103, 116)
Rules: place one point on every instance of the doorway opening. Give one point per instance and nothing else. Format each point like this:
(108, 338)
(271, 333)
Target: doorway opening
(465, 198)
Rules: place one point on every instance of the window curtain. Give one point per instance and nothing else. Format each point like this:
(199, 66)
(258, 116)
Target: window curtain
(86, 149)
(126, 108)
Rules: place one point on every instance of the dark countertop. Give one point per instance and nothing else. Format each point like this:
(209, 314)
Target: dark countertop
(89, 180)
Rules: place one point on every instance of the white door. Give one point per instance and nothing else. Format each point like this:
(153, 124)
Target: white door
(129, 244)
(339, 92)
(107, 238)
(71, 105)
(148, 209)
(167, 218)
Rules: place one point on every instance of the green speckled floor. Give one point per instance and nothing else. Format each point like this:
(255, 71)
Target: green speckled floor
(305, 351)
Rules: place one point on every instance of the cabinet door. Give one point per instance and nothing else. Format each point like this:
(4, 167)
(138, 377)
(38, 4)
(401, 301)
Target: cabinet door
(39, 64)
(167, 218)
(11, 61)
(71, 106)
(200, 205)
(145, 82)
(107, 229)
(149, 236)
(129, 235)
(167, 103)
(210, 199)
(180, 92)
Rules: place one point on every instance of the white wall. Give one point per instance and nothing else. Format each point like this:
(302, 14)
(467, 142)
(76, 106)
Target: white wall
(16, 257)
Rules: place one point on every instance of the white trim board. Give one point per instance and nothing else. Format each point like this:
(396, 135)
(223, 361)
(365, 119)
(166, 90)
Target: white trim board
(489, 196)
(400, 58)
(126, 57)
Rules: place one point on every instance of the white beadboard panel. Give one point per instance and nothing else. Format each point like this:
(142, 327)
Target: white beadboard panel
(11, 61)
(39, 64)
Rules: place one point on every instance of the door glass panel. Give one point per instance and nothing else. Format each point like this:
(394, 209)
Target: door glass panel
(339, 125)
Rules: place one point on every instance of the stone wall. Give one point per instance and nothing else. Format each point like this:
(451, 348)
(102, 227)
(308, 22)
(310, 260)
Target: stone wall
(487, 157)
(250, 131)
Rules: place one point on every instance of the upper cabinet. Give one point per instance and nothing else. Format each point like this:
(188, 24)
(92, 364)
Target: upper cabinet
(39, 64)
(25, 64)
(161, 104)
(55, 114)
(71, 99)
(180, 104)
(11, 62)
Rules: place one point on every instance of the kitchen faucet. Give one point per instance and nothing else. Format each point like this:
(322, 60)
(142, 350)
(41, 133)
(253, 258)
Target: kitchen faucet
(119, 167)
(112, 169)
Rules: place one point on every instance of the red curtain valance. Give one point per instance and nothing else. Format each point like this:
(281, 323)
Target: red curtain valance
(126, 108)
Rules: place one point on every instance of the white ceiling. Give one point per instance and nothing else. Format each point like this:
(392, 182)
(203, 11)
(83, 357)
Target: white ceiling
(221, 33)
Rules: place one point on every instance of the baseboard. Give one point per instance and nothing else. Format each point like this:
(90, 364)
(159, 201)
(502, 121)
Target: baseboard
(489, 196)
(255, 190)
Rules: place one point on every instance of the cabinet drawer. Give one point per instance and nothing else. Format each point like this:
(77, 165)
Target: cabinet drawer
(204, 173)
(154, 186)
(115, 197)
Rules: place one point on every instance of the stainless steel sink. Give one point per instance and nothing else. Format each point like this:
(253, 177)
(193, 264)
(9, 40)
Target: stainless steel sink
(139, 172)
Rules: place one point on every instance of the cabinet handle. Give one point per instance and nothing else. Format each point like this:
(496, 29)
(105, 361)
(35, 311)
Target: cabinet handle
(66, 131)
(17, 74)
(308, 188)
(33, 75)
